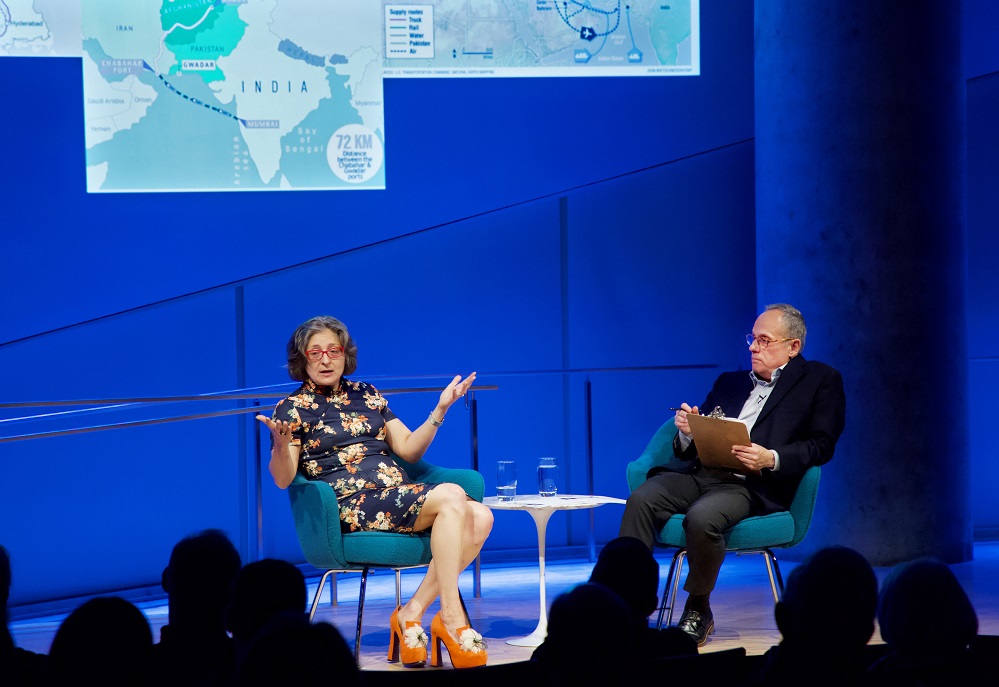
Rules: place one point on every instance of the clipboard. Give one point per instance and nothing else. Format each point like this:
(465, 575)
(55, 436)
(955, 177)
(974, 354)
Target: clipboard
(714, 437)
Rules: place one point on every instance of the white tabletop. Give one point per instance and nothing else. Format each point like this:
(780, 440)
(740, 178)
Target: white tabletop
(557, 502)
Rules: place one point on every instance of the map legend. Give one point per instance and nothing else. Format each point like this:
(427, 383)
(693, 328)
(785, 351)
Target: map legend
(409, 31)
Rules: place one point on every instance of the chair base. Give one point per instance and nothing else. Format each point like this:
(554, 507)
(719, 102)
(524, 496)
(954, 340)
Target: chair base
(673, 581)
(360, 595)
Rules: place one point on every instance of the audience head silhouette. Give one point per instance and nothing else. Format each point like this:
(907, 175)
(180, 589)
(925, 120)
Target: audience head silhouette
(17, 666)
(5, 577)
(902, 611)
(194, 646)
(591, 636)
(826, 618)
(286, 651)
(829, 602)
(5, 581)
(104, 641)
(263, 590)
(627, 567)
(198, 579)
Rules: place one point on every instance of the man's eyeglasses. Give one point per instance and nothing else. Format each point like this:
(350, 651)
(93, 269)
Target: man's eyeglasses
(763, 342)
(316, 354)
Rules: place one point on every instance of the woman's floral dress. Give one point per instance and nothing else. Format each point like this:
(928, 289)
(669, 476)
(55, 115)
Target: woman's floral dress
(342, 435)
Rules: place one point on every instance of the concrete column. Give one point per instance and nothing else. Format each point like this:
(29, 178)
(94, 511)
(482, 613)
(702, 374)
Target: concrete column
(860, 224)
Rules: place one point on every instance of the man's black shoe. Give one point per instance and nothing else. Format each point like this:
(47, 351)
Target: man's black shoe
(697, 625)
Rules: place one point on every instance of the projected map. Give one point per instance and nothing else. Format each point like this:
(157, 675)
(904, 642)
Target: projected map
(229, 95)
(465, 38)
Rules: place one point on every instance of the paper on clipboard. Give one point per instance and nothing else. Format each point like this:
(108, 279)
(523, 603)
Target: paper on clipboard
(715, 437)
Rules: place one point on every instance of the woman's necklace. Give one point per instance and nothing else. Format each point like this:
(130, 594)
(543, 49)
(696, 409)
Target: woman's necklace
(332, 399)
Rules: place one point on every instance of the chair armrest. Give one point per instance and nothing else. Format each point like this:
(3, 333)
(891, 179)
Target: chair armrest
(658, 452)
(469, 480)
(317, 522)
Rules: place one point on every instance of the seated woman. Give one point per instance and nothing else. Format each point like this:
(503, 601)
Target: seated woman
(342, 432)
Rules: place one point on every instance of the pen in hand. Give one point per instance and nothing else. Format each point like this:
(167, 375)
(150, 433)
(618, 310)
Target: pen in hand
(692, 412)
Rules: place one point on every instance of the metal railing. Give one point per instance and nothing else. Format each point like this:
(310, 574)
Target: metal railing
(80, 408)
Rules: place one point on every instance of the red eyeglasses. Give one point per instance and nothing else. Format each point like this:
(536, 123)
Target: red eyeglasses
(316, 354)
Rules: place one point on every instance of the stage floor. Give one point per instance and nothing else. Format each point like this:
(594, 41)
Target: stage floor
(509, 605)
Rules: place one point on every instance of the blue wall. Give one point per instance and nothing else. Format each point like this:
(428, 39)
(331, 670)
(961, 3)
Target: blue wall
(981, 64)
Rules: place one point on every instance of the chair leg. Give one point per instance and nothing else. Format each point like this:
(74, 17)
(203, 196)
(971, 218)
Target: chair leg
(672, 582)
(319, 592)
(464, 610)
(477, 577)
(360, 616)
(680, 555)
(333, 595)
(398, 587)
(773, 570)
(665, 600)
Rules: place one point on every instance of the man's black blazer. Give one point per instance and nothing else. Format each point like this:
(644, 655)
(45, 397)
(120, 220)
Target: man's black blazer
(802, 418)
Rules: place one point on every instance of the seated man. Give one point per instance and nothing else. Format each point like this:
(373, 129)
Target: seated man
(795, 410)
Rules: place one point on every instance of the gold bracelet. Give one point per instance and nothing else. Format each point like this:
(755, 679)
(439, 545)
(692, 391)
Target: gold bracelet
(434, 422)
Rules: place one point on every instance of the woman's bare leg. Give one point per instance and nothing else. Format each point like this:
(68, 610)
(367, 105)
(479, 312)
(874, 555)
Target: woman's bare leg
(460, 528)
(477, 528)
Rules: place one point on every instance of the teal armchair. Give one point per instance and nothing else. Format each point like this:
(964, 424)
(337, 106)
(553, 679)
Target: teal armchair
(758, 534)
(317, 523)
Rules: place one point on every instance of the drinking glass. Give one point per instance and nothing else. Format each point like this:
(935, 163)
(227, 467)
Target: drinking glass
(547, 466)
(506, 480)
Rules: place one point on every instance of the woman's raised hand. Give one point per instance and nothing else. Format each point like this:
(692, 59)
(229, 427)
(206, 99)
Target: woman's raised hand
(280, 429)
(455, 390)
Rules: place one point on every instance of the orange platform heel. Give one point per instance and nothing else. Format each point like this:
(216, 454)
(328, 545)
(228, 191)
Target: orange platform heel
(469, 651)
(410, 644)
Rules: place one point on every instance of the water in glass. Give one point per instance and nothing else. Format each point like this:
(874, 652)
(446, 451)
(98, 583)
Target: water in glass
(546, 476)
(506, 480)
